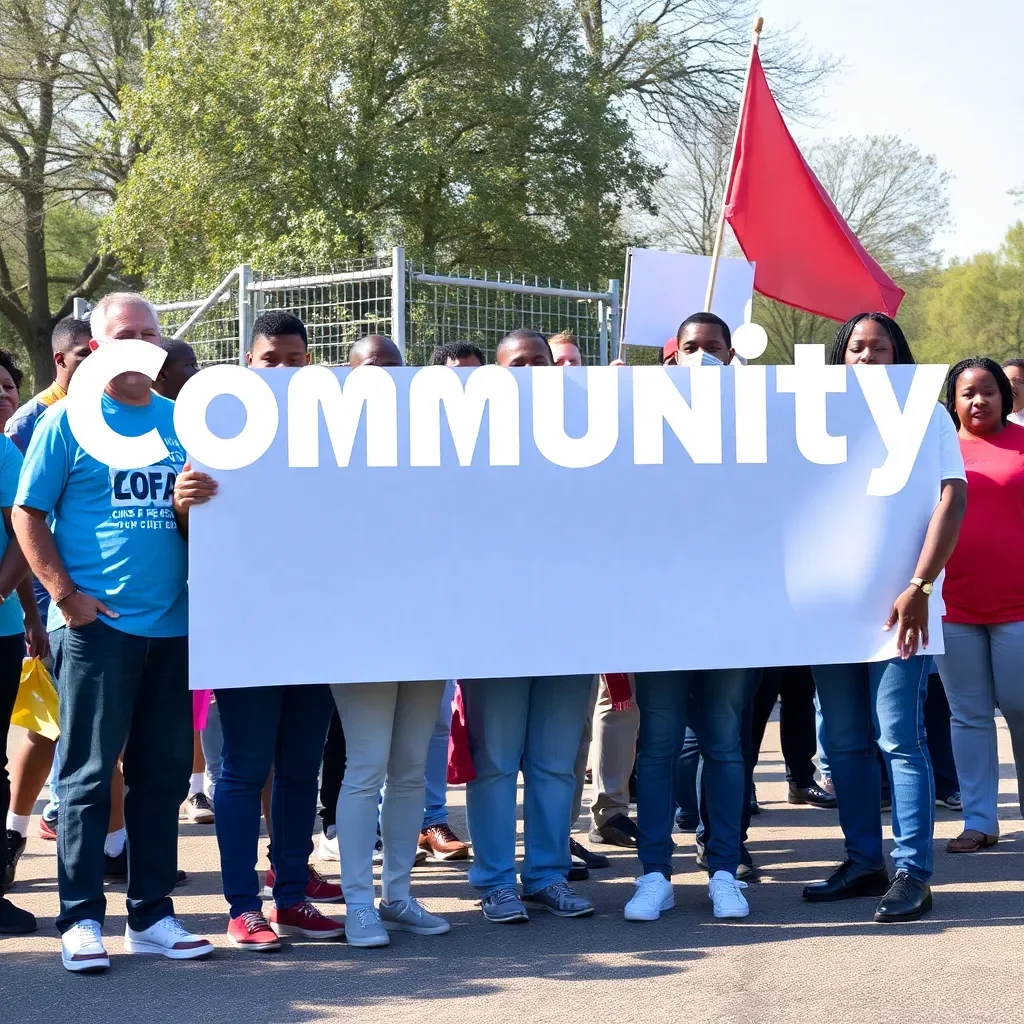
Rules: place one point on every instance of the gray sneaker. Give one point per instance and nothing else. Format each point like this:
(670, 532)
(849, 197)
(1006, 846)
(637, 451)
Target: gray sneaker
(504, 906)
(410, 916)
(561, 900)
(363, 927)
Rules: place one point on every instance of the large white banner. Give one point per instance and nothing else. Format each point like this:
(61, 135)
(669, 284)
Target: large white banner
(430, 523)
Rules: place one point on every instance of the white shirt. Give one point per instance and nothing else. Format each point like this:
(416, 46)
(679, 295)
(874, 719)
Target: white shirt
(951, 460)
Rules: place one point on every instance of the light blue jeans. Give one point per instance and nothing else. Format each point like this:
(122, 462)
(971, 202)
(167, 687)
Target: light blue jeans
(983, 666)
(866, 708)
(212, 742)
(52, 808)
(535, 723)
(435, 797)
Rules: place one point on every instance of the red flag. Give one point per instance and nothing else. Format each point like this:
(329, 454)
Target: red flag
(785, 222)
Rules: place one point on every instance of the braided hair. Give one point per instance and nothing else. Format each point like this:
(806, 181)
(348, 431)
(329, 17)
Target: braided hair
(901, 353)
(979, 363)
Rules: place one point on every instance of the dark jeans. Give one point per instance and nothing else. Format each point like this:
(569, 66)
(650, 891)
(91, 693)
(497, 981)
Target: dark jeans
(714, 701)
(120, 692)
(12, 653)
(940, 745)
(795, 688)
(283, 726)
(691, 761)
(333, 772)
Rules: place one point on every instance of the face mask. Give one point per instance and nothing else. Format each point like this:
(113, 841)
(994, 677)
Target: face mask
(700, 358)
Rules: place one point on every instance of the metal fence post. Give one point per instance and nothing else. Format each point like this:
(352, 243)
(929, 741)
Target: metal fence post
(245, 316)
(613, 317)
(398, 281)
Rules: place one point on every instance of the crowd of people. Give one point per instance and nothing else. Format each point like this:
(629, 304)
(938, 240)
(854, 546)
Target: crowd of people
(93, 577)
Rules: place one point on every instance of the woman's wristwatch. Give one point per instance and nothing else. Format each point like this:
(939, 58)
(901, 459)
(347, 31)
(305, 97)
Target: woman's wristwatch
(923, 585)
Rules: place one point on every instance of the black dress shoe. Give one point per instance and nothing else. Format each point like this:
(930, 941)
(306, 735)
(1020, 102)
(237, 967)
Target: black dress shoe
(747, 873)
(687, 822)
(847, 882)
(577, 872)
(14, 920)
(617, 831)
(755, 807)
(15, 848)
(907, 900)
(812, 794)
(591, 859)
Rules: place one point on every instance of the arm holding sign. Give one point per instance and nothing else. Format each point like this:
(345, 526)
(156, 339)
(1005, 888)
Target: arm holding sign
(191, 488)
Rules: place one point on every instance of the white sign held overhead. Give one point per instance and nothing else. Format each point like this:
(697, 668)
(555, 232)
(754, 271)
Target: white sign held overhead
(664, 288)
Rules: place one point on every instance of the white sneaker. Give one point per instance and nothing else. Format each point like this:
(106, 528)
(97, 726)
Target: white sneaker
(328, 847)
(168, 938)
(654, 893)
(82, 949)
(724, 891)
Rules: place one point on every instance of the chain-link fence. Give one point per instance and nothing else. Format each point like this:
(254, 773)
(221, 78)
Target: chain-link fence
(420, 309)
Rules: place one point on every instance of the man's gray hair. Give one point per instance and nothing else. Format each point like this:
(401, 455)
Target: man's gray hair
(98, 316)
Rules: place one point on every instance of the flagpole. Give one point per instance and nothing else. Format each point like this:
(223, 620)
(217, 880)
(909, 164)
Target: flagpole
(716, 252)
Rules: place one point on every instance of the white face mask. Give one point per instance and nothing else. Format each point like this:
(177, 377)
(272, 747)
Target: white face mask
(699, 358)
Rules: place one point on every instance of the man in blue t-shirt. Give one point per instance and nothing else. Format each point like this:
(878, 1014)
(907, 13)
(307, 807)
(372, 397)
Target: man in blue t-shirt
(114, 562)
(35, 761)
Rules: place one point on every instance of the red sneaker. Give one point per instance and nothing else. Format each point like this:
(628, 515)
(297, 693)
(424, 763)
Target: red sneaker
(318, 888)
(251, 931)
(304, 919)
(47, 829)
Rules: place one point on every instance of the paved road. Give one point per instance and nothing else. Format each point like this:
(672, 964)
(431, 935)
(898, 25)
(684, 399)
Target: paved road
(788, 963)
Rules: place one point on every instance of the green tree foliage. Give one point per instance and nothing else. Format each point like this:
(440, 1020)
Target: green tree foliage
(284, 134)
(63, 64)
(975, 307)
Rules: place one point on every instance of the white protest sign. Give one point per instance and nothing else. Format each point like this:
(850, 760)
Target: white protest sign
(664, 288)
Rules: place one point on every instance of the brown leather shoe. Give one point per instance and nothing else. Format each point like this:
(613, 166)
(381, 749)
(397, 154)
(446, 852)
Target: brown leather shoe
(971, 841)
(441, 843)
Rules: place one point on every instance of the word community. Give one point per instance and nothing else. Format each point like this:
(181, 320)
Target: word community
(344, 398)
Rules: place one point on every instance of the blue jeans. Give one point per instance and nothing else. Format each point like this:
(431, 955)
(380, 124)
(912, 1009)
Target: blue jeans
(536, 723)
(283, 726)
(864, 709)
(435, 799)
(120, 692)
(715, 700)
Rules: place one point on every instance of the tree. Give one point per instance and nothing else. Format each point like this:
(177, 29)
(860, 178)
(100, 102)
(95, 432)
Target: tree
(286, 134)
(892, 195)
(62, 68)
(976, 307)
(679, 64)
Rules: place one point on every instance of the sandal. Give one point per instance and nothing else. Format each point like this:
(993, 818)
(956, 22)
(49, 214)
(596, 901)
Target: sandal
(971, 841)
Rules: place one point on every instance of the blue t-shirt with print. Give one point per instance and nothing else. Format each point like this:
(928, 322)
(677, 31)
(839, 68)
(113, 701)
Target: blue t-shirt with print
(12, 618)
(115, 529)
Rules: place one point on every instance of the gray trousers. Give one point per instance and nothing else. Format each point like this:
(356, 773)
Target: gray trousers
(983, 667)
(608, 744)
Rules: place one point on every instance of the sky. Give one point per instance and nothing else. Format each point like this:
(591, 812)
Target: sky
(945, 75)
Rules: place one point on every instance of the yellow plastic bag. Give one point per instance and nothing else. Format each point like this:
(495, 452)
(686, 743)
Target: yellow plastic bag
(37, 706)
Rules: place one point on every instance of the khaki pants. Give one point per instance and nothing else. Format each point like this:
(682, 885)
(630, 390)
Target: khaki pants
(608, 744)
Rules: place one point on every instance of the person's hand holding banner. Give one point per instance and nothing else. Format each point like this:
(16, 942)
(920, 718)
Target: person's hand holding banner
(910, 616)
(192, 488)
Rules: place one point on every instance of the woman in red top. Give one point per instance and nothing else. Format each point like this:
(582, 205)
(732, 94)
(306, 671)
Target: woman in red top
(983, 628)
